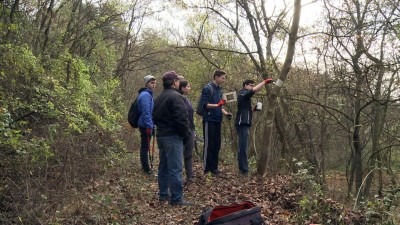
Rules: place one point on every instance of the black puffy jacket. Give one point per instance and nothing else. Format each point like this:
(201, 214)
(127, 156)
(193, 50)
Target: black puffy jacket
(170, 114)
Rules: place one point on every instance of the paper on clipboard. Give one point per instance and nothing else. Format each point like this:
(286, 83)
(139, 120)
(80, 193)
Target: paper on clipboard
(230, 96)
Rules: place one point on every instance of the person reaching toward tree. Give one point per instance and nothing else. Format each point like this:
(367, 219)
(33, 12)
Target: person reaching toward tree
(243, 120)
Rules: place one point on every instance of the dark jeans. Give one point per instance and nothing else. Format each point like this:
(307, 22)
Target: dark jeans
(212, 146)
(188, 155)
(243, 132)
(144, 149)
(170, 168)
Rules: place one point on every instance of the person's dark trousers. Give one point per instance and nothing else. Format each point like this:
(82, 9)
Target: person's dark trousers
(243, 133)
(212, 146)
(144, 149)
(170, 168)
(188, 155)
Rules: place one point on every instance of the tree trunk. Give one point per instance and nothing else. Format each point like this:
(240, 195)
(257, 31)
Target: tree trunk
(379, 118)
(263, 163)
(321, 146)
(287, 145)
(311, 156)
(254, 140)
(357, 160)
(13, 10)
(350, 173)
(280, 129)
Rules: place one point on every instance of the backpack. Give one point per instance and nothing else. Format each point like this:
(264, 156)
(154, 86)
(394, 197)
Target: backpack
(245, 213)
(133, 114)
(200, 110)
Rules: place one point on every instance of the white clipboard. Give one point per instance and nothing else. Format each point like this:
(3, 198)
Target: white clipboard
(230, 96)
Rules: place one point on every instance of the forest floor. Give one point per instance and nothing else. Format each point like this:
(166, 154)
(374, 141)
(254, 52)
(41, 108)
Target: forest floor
(132, 198)
(125, 195)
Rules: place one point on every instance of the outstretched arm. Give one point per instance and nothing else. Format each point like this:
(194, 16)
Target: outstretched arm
(259, 86)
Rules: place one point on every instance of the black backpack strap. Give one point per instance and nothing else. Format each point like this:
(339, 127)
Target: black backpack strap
(211, 89)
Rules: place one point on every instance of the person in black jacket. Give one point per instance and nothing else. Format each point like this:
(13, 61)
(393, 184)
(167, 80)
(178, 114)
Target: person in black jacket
(171, 118)
(243, 119)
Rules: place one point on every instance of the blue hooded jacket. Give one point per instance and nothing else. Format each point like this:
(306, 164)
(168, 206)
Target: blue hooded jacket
(212, 97)
(145, 106)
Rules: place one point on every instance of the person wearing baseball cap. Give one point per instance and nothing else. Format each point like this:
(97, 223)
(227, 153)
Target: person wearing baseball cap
(145, 123)
(172, 120)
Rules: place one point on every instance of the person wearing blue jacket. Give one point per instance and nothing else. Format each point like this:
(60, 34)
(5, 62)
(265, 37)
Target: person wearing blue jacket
(212, 102)
(243, 119)
(145, 123)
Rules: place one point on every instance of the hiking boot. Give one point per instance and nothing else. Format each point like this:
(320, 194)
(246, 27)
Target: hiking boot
(188, 181)
(163, 201)
(244, 173)
(216, 173)
(182, 203)
(148, 172)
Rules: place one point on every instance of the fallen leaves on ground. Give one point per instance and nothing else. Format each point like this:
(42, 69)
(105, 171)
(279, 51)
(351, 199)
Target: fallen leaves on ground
(130, 197)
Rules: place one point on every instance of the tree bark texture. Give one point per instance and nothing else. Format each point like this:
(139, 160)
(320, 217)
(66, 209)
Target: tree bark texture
(263, 163)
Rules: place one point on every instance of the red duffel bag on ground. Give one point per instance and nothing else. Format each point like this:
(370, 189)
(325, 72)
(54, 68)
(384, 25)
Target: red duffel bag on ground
(245, 213)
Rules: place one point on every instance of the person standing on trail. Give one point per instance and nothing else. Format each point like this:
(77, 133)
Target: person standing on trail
(145, 122)
(185, 88)
(171, 118)
(212, 102)
(243, 119)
